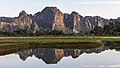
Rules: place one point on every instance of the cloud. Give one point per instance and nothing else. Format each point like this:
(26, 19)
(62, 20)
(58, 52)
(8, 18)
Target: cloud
(101, 3)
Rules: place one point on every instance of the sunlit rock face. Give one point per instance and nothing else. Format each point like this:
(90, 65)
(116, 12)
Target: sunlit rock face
(23, 21)
(79, 24)
(75, 18)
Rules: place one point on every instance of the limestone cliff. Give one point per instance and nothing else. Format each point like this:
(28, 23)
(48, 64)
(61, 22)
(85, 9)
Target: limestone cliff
(23, 21)
(52, 18)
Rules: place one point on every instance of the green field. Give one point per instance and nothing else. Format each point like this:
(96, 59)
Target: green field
(58, 39)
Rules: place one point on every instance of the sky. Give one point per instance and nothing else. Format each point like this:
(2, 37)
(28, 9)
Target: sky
(104, 8)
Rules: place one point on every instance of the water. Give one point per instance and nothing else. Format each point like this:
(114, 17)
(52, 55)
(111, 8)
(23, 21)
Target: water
(105, 56)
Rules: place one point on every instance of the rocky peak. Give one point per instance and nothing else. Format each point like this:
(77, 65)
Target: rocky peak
(22, 14)
(53, 9)
(50, 18)
(74, 13)
(118, 19)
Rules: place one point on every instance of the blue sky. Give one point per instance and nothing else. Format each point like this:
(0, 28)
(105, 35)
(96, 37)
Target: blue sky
(103, 8)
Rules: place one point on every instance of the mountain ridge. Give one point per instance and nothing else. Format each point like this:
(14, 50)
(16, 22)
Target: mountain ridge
(51, 18)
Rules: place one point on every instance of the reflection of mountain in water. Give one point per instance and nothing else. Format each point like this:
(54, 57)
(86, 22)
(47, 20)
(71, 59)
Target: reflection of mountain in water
(50, 55)
(53, 55)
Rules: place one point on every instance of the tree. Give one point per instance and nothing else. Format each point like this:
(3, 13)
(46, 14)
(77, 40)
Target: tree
(56, 32)
(97, 31)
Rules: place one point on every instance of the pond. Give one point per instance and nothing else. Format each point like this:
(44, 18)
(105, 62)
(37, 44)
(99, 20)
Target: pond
(104, 56)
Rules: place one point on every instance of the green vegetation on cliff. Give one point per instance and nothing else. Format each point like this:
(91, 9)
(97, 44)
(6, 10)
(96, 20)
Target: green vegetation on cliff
(112, 29)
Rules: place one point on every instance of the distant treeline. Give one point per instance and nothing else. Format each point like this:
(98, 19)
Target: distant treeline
(23, 32)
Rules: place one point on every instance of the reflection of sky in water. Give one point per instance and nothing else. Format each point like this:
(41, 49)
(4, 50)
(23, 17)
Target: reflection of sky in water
(104, 59)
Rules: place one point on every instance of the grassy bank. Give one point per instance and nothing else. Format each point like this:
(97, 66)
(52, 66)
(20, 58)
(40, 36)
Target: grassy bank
(57, 39)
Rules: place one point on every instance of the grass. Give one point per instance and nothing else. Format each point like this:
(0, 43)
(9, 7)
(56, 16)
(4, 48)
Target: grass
(108, 38)
(45, 41)
(57, 39)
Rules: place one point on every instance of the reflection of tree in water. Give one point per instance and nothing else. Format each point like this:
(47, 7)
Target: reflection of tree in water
(113, 45)
(54, 55)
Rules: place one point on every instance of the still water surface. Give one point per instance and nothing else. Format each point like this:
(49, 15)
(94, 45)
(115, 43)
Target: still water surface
(105, 56)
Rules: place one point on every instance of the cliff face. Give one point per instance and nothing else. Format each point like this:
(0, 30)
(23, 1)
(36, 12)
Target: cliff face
(79, 24)
(52, 18)
(23, 21)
